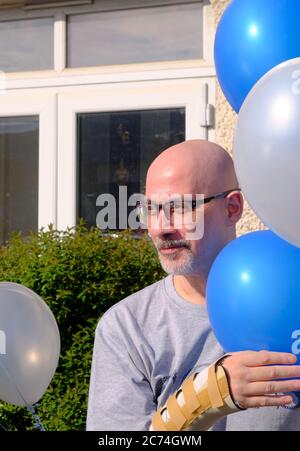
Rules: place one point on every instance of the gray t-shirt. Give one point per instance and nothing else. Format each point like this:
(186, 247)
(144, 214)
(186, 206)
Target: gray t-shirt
(145, 346)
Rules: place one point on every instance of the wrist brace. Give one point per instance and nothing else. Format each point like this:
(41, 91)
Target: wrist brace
(200, 402)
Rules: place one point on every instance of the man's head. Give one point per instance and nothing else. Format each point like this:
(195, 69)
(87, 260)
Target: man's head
(194, 167)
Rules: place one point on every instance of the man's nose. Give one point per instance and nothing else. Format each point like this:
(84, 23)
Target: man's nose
(165, 221)
(162, 225)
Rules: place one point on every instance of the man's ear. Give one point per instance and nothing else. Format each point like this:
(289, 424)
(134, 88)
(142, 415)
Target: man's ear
(234, 207)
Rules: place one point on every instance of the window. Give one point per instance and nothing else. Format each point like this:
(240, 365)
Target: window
(26, 45)
(19, 150)
(140, 35)
(115, 149)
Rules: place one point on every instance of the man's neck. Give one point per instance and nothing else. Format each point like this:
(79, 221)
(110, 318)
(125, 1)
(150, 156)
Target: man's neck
(191, 288)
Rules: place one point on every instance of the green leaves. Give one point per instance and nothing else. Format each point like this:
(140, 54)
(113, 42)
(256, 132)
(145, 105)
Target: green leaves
(79, 273)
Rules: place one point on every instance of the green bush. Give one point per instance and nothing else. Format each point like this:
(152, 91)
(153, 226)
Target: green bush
(79, 273)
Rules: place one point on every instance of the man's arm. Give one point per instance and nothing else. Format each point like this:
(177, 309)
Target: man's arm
(120, 397)
(245, 379)
(202, 400)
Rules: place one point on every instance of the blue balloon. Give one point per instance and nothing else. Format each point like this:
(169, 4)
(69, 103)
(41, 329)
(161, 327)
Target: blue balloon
(253, 294)
(254, 36)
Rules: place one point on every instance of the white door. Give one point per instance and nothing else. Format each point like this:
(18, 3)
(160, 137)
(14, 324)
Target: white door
(27, 162)
(108, 135)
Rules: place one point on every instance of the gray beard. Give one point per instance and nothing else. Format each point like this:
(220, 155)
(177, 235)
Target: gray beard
(179, 269)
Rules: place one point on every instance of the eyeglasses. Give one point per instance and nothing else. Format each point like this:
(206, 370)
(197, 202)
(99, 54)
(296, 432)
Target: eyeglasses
(178, 209)
(220, 195)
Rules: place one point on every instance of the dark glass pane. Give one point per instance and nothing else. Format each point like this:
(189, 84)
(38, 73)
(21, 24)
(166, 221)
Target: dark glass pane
(135, 35)
(116, 149)
(19, 156)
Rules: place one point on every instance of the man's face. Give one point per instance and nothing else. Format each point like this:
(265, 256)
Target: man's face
(182, 251)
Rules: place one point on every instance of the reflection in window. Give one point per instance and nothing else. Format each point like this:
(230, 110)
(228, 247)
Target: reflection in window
(115, 149)
(141, 35)
(26, 45)
(19, 138)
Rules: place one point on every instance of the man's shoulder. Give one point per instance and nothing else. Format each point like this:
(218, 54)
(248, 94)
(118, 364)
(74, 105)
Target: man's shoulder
(137, 303)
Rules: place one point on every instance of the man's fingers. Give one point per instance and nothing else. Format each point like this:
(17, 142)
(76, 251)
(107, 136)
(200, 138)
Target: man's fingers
(268, 373)
(267, 401)
(256, 378)
(271, 387)
(253, 358)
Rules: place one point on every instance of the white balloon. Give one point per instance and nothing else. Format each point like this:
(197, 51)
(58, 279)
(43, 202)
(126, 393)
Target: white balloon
(267, 149)
(29, 345)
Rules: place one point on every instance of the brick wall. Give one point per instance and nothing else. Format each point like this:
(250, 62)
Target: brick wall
(225, 124)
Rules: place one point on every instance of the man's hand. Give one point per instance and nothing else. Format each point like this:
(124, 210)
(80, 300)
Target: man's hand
(254, 383)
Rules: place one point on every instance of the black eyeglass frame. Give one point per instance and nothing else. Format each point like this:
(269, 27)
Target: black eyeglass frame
(218, 196)
(198, 202)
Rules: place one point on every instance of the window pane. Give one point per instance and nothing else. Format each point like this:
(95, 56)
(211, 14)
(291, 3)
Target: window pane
(19, 138)
(135, 36)
(116, 149)
(26, 45)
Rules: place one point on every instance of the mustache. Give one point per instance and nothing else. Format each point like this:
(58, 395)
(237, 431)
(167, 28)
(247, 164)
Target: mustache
(164, 244)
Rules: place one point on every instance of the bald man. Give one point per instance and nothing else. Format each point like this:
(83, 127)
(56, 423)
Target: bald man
(156, 362)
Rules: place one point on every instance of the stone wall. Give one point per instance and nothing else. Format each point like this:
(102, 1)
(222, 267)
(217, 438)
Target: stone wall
(225, 125)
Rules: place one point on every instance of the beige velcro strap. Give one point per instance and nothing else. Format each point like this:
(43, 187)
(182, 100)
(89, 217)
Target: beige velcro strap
(158, 423)
(213, 389)
(223, 383)
(204, 401)
(176, 413)
(192, 402)
(170, 425)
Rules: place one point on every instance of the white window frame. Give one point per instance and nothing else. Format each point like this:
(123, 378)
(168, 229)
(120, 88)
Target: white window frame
(61, 75)
(44, 106)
